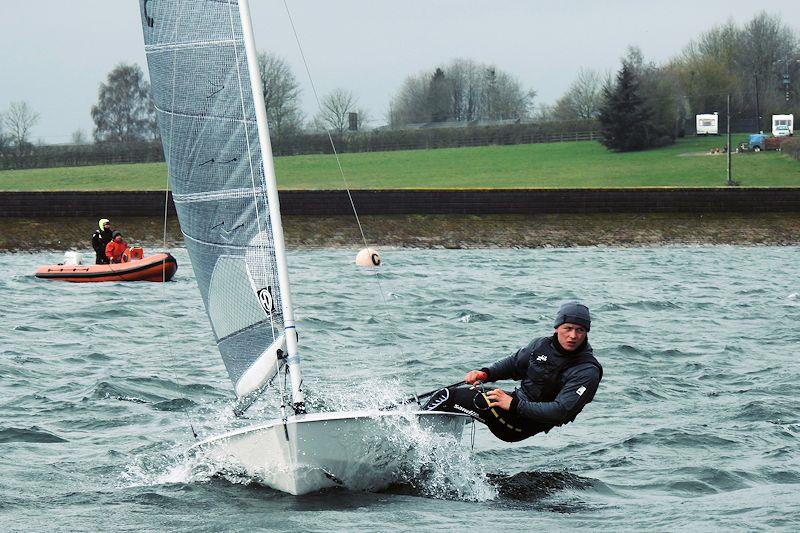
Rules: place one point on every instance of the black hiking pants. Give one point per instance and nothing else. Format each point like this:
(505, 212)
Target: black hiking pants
(472, 401)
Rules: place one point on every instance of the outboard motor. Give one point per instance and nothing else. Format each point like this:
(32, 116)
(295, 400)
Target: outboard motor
(72, 258)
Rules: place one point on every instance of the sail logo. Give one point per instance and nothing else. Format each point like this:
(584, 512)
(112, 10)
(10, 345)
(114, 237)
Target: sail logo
(266, 300)
(581, 390)
(542, 358)
(226, 235)
(150, 20)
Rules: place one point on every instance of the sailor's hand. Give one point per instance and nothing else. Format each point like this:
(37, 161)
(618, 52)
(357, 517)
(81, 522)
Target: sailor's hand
(474, 376)
(499, 398)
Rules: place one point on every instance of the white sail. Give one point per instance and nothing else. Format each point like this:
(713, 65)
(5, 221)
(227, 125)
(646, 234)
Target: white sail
(216, 144)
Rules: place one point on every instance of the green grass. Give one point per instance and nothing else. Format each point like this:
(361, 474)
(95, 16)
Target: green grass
(572, 164)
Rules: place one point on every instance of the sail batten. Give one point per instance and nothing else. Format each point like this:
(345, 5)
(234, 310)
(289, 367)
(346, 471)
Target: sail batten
(189, 45)
(197, 55)
(210, 196)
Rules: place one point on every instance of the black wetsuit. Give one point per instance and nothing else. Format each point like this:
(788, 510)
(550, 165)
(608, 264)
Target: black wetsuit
(100, 238)
(555, 386)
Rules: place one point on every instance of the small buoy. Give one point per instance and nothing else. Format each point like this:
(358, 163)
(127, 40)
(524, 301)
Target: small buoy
(368, 257)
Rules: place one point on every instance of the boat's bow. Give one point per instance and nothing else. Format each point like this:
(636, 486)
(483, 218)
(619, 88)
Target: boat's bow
(358, 450)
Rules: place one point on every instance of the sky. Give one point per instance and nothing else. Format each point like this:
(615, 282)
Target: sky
(55, 53)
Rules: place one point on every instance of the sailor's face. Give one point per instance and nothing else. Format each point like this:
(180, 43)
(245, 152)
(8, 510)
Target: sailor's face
(570, 336)
(106, 225)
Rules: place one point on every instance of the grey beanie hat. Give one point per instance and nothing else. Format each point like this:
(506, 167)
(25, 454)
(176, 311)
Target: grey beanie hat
(574, 313)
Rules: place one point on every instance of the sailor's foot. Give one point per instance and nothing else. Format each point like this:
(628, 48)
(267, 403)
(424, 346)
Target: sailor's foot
(438, 400)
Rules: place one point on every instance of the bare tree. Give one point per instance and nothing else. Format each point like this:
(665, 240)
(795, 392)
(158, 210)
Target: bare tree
(467, 84)
(764, 41)
(20, 120)
(462, 90)
(79, 137)
(747, 62)
(410, 104)
(124, 111)
(543, 113)
(504, 97)
(3, 138)
(583, 98)
(334, 116)
(281, 95)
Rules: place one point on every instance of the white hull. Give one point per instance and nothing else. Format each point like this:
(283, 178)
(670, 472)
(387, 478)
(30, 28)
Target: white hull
(359, 450)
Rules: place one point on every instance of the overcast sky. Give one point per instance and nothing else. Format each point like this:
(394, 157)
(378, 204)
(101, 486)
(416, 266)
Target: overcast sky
(55, 53)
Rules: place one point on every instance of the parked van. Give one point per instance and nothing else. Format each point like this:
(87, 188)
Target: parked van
(782, 125)
(707, 124)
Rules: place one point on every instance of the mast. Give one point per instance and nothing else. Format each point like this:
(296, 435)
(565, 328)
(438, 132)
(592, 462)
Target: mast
(290, 331)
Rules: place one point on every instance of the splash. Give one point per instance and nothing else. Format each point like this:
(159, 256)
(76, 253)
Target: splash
(436, 465)
(433, 464)
(174, 466)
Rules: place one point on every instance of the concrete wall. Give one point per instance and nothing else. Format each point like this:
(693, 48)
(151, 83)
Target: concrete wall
(423, 201)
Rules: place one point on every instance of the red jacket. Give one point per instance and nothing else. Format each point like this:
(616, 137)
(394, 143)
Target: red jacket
(114, 251)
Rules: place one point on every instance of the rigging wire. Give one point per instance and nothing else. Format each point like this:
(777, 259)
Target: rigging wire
(342, 174)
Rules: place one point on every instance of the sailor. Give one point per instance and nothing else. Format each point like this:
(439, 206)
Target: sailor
(116, 248)
(559, 376)
(100, 238)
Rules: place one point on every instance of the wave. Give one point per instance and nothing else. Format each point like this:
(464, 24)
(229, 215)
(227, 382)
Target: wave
(676, 438)
(177, 404)
(707, 480)
(759, 411)
(108, 391)
(534, 486)
(469, 316)
(30, 329)
(32, 434)
(639, 305)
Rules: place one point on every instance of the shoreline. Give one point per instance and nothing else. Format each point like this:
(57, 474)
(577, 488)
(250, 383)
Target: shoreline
(440, 231)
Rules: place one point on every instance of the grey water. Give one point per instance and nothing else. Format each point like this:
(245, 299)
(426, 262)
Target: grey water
(695, 423)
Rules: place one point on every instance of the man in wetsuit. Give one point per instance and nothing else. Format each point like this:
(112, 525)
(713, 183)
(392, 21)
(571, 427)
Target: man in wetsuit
(100, 239)
(559, 376)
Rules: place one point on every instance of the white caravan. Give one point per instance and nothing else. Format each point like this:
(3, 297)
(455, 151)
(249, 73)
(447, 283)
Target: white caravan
(782, 125)
(708, 124)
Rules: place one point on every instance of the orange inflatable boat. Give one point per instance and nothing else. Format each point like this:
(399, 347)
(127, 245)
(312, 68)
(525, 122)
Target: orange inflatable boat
(134, 267)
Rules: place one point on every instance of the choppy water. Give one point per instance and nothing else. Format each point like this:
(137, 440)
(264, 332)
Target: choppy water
(695, 424)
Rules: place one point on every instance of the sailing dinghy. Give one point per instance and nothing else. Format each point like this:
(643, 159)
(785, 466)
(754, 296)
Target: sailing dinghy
(207, 91)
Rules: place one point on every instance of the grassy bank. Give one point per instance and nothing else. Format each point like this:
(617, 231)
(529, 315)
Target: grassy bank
(573, 164)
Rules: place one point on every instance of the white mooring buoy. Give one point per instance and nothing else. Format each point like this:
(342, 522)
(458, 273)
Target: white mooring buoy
(367, 257)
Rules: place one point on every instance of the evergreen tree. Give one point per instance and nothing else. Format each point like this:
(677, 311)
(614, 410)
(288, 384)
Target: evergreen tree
(438, 97)
(625, 118)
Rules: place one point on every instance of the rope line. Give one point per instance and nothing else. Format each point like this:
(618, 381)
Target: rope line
(342, 174)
